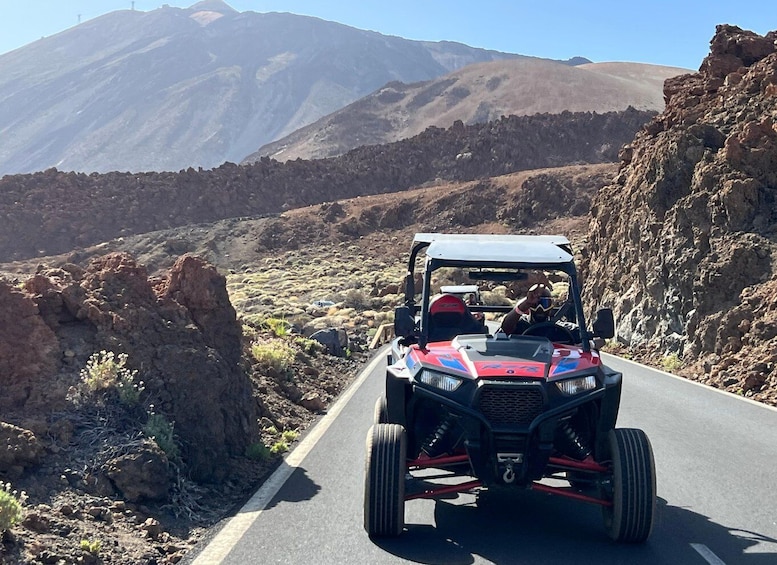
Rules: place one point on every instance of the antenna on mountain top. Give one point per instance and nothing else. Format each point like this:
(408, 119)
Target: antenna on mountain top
(133, 6)
(79, 18)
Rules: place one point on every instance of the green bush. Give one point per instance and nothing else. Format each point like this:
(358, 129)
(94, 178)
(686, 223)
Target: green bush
(160, 429)
(249, 331)
(277, 355)
(357, 299)
(279, 447)
(92, 547)
(279, 327)
(104, 371)
(309, 346)
(671, 362)
(11, 506)
(258, 452)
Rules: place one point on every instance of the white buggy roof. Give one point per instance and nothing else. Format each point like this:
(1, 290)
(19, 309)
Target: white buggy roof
(430, 236)
(496, 248)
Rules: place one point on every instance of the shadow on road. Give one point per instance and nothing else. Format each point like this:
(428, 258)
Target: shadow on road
(728, 542)
(531, 527)
(299, 487)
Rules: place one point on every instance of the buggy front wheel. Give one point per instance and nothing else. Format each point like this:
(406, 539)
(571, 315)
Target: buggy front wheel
(384, 480)
(632, 487)
(380, 413)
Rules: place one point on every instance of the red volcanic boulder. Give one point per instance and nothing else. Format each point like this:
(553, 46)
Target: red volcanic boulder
(732, 48)
(184, 338)
(181, 334)
(29, 351)
(202, 290)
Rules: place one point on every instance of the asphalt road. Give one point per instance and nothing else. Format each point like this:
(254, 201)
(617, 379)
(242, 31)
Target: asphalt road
(716, 459)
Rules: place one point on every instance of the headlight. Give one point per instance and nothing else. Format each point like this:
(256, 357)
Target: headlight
(578, 385)
(439, 380)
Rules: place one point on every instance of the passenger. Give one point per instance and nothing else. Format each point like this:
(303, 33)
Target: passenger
(533, 309)
(471, 300)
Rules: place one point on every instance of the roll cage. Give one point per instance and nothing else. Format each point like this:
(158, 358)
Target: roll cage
(495, 257)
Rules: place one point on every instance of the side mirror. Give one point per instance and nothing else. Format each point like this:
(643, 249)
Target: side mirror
(604, 324)
(404, 322)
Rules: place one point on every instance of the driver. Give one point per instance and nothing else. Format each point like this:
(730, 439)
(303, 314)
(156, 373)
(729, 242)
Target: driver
(533, 309)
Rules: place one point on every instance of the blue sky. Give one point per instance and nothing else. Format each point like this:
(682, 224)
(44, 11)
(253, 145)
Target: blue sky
(674, 33)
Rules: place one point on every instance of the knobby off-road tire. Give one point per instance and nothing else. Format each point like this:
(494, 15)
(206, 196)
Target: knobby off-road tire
(384, 480)
(630, 518)
(380, 415)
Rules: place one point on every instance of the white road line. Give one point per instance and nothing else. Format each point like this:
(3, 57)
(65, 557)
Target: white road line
(707, 554)
(226, 539)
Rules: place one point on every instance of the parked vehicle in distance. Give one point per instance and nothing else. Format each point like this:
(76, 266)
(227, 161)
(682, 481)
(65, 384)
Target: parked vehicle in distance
(469, 409)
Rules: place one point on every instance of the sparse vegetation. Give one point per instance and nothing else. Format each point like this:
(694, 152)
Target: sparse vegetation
(11, 506)
(92, 546)
(287, 285)
(279, 447)
(276, 355)
(258, 452)
(105, 371)
(279, 327)
(671, 363)
(161, 430)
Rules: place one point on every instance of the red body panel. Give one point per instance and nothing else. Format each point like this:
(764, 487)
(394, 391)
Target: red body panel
(565, 359)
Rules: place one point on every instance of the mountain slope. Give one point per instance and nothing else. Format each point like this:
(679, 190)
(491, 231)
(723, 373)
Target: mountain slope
(173, 88)
(475, 94)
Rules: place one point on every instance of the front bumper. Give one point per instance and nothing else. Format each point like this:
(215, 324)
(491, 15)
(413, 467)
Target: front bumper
(515, 449)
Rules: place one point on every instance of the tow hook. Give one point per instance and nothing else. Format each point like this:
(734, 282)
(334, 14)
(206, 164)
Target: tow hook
(509, 459)
(509, 476)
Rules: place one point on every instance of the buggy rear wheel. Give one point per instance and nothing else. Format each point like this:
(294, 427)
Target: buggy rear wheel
(380, 415)
(632, 487)
(384, 480)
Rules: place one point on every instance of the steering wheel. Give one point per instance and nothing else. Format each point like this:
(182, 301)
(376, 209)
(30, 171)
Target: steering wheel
(551, 330)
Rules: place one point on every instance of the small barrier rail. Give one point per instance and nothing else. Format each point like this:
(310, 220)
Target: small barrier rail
(384, 334)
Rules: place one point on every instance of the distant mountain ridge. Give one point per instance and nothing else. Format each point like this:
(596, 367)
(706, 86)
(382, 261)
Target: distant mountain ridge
(477, 93)
(173, 88)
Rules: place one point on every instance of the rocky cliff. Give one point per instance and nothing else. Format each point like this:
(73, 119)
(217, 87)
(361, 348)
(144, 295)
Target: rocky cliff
(682, 243)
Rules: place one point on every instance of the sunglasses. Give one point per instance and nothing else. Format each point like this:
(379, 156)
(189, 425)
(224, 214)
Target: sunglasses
(545, 304)
(546, 301)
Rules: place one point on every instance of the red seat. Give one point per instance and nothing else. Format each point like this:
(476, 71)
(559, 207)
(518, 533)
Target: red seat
(448, 316)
